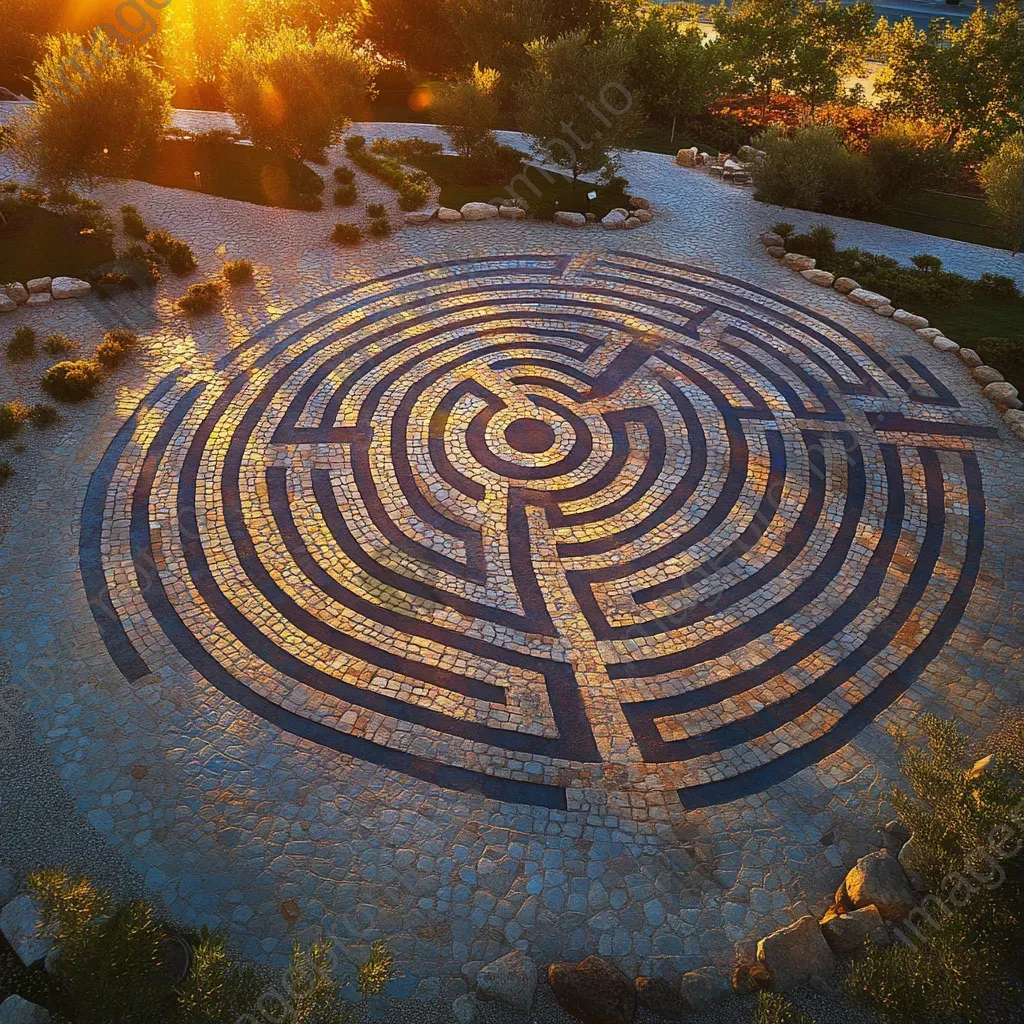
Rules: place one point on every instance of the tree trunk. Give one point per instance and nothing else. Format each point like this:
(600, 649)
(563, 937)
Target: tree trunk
(673, 138)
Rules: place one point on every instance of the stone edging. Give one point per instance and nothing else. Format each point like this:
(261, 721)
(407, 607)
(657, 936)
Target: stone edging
(992, 383)
(41, 291)
(617, 220)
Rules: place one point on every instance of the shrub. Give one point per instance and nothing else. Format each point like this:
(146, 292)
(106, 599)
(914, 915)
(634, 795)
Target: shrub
(783, 228)
(72, 380)
(144, 260)
(6, 472)
(9, 186)
(292, 92)
(64, 197)
(115, 279)
(996, 286)
(100, 109)
(201, 297)
(354, 144)
(309, 201)
(926, 263)
(238, 271)
(344, 175)
(412, 197)
(812, 170)
(909, 157)
(134, 225)
(33, 196)
(42, 416)
(177, 253)
(345, 195)
(116, 347)
(380, 227)
(376, 210)
(59, 345)
(1002, 176)
(819, 243)
(467, 110)
(12, 416)
(22, 346)
(346, 234)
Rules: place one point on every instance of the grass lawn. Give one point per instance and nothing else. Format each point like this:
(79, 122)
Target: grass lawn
(657, 138)
(948, 216)
(39, 243)
(458, 187)
(232, 171)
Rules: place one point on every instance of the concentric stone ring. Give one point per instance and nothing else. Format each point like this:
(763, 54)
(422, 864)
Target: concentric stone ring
(536, 527)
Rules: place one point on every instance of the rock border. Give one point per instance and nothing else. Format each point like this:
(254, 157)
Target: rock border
(618, 219)
(41, 291)
(993, 385)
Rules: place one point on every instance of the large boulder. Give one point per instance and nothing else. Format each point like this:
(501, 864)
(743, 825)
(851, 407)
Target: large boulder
(644, 216)
(570, 220)
(16, 1010)
(447, 215)
(878, 880)
(887, 310)
(986, 375)
(945, 344)
(38, 285)
(512, 980)
(845, 285)
(419, 217)
(512, 213)
(928, 333)
(970, 358)
(593, 991)
(701, 988)
(847, 933)
(659, 997)
(1015, 418)
(901, 316)
(796, 954)
(18, 292)
(867, 298)
(479, 211)
(614, 220)
(632, 223)
(20, 924)
(797, 261)
(687, 157)
(769, 238)
(69, 288)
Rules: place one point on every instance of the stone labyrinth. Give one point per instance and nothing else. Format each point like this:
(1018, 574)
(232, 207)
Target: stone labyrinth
(546, 528)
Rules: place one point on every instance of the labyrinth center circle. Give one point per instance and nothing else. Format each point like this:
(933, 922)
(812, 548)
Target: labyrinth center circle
(531, 437)
(747, 534)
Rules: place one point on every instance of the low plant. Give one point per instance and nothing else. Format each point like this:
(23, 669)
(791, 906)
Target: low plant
(380, 227)
(819, 243)
(42, 416)
(59, 345)
(115, 279)
(176, 252)
(6, 472)
(309, 202)
(238, 271)
(376, 210)
(115, 347)
(9, 186)
(33, 196)
(783, 228)
(355, 144)
(22, 346)
(344, 175)
(64, 197)
(346, 234)
(997, 286)
(201, 297)
(12, 417)
(134, 225)
(773, 1008)
(345, 195)
(412, 197)
(72, 380)
(144, 259)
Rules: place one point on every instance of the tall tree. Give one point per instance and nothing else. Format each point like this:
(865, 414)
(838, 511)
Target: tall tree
(467, 110)
(672, 63)
(831, 41)
(966, 77)
(419, 33)
(573, 102)
(1002, 176)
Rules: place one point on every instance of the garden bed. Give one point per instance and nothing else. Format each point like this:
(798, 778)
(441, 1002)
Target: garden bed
(41, 243)
(233, 171)
(461, 183)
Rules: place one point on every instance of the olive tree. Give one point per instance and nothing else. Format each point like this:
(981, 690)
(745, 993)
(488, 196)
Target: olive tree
(100, 110)
(1002, 176)
(467, 110)
(293, 92)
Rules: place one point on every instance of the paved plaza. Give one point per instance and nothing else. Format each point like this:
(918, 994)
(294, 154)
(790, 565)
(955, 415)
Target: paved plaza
(506, 585)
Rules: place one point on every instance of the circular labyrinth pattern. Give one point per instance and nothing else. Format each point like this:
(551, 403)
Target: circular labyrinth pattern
(539, 527)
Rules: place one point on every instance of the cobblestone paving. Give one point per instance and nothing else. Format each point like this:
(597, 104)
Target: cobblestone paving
(502, 584)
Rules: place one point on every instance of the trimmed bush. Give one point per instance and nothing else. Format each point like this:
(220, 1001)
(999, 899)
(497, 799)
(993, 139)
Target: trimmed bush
(6, 472)
(59, 345)
(12, 416)
(134, 225)
(115, 279)
(72, 380)
(346, 234)
(998, 286)
(376, 210)
(355, 144)
(819, 243)
(345, 195)
(42, 416)
(380, 227)
(147, 263)
(238, 271)
(22, 346)
(344, 175)
(201, 297)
